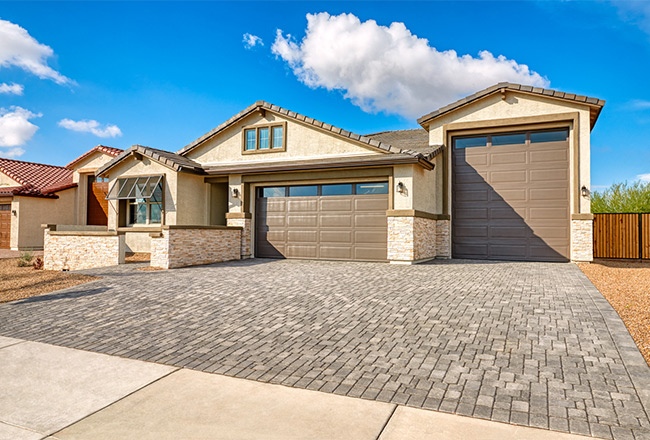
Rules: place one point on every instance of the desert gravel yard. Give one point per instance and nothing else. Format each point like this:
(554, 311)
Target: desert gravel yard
(530, 344)
(24, 282)
(626, 285)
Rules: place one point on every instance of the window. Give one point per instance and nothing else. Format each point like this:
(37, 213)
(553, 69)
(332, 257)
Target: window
(251, 141)
(274, 191)
(343, 189)
(478, 141)
(509, 139)
(372, 188)
(264, 138)
(549, 136)
(5, 207)
(303, 191)
(143, 196)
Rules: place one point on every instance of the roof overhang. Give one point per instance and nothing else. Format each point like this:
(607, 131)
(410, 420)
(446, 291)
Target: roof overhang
(595, 105)
(308, 165)
(165, 158)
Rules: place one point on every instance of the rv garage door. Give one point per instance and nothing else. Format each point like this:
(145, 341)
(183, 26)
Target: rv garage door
(343, 221)
(511, 196)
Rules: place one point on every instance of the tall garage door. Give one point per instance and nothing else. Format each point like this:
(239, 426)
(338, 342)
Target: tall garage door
(5, 225)
(511, 196)
(344, 221)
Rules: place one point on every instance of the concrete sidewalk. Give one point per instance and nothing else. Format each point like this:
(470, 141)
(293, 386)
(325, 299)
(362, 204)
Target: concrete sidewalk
(61, 393)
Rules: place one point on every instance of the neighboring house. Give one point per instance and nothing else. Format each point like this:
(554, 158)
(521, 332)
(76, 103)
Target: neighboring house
(501, 174)
(32, 194)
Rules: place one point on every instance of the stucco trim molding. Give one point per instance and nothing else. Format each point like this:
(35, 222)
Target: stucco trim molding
(586, 216)
(238, 215)
(415, 213)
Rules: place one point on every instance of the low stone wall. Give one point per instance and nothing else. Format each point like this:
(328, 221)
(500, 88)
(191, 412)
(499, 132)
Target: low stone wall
(86, 249)
(582, 240)
(180, 246)
(443, 239)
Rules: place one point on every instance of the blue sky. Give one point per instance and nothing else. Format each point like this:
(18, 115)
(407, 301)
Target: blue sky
(163, 74)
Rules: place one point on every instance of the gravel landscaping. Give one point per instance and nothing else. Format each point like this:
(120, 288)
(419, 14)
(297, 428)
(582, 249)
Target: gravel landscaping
(24, 282)
(626, 285)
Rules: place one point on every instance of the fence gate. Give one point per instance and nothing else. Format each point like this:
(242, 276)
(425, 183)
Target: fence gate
(622, 236)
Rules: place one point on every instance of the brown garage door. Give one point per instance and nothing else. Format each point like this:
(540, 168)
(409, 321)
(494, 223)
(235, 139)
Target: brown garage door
(5, 225)
(344, 221)
(511, 196)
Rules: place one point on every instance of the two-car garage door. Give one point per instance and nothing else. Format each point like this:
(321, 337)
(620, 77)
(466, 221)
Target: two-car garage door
(339, 221)
(511, 196)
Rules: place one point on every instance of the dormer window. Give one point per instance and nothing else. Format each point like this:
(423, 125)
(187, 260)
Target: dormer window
(264, 138)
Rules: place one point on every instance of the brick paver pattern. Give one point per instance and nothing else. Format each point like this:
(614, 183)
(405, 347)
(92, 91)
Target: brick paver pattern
(514, 342)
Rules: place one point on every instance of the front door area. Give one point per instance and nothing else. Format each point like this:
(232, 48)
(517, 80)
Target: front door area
(97, 211)
(5, 225)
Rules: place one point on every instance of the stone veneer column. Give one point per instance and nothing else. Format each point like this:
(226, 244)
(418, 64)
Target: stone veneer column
(582, 240)
(242, 220)
(443, 239)
(411, 239)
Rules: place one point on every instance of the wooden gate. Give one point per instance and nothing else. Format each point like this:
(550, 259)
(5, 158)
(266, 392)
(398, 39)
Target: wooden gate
(622, 236)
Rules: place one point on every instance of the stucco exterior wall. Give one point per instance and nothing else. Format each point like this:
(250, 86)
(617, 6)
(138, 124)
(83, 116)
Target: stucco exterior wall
(518, 105)
(303, 142)
(7, 181)
(32, 212)
(420, 188)
(192, 200)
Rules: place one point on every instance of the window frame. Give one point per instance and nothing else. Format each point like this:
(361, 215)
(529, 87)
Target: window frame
(272, 148)
(488, 137)
(132, 201)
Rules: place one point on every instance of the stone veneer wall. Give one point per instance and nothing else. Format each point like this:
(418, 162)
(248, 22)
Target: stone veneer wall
(189, 246)
(76, 250)
(443, 239)
(582, 240)
(411, 239)
(245, 224)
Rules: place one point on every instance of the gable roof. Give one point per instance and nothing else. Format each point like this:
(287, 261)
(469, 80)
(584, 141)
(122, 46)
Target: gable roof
(264, 106)
(415, 139)
(114, 152)
(171, 160)
(35, 179)
(595, 104)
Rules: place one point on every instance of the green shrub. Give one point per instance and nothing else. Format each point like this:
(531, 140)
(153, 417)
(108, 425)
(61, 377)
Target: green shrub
(622, 197)
(25, 259)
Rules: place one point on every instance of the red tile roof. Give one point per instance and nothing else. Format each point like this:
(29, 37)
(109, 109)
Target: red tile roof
(100, 148)
(35, 179)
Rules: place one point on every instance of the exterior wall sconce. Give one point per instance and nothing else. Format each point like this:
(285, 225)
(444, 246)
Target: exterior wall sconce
(13, 212)
(585, 191)
(235, 193)
(401, 188)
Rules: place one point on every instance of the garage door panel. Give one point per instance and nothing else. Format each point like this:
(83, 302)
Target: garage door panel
(527, 202)
(302, 205)
(331, 204)
(302, 236)
(340, 227)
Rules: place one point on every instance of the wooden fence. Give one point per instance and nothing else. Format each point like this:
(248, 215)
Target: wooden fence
(622, 236)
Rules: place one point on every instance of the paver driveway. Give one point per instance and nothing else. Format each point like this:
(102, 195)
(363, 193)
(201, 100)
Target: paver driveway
(526, 343)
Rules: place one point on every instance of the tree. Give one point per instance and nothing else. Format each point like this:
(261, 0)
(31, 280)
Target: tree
(622, 197)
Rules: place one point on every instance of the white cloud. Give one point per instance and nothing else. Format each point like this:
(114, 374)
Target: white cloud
(91, 126)
(18, 48)
(639, 104)
(15, 128)
(13, 88)
(251, 41)
(636, 12)
(389, 69)
(643, 177)
(12, 152)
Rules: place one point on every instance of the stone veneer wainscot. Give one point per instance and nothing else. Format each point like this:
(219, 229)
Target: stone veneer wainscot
(76, 250)
(582, 240)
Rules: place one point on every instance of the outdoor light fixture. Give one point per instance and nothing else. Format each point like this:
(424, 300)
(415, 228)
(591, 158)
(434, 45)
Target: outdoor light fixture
(585, 191)
(13, 212)
(235, 193)
(401, 188)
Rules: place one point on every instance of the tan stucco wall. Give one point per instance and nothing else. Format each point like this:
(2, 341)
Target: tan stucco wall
(82, 170)
(130, 167)
(420, 186)
(32, 212)
(7, 181)
(303, 142)
(192, 201)
(518, 105)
